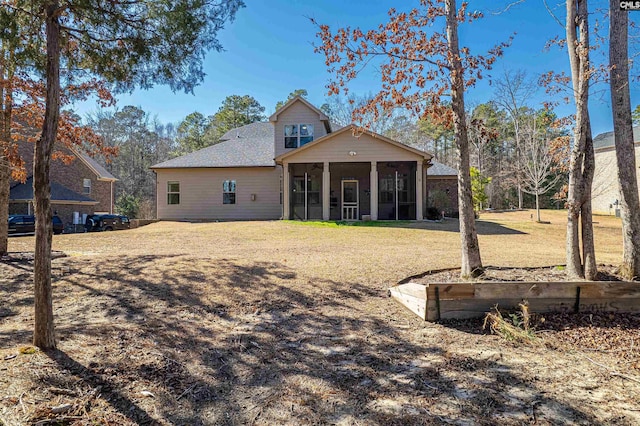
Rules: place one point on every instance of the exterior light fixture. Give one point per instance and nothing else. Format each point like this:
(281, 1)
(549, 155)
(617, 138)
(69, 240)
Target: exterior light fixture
(353, 153)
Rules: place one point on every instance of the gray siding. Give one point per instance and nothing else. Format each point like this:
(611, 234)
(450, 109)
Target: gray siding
(201, 193)
(297, 113)
(366, 147)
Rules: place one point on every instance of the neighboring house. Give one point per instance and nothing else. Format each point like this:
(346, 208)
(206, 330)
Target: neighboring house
(296, 167)
(80, 188)
(442, 188)
(605, 195)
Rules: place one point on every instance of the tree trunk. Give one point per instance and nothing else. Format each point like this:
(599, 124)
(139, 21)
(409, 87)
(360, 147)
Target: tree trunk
(6, 101)
(581, 167)
(588, 170)
(538, 206)
(471, 261)
(44, 336)
(623, 132)
(516, 127)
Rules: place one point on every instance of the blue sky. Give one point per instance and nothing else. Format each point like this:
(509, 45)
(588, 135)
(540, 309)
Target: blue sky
(269, 53)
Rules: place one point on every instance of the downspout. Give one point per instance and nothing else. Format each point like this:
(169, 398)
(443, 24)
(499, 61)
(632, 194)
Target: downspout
(111, 203)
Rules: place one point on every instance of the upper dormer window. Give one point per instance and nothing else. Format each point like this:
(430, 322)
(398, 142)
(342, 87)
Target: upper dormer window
(296, 135)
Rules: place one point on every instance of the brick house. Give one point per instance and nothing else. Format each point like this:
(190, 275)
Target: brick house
(77, 189)
(442, 188)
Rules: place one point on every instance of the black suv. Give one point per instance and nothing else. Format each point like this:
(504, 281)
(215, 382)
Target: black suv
(106, 222)
(26, 224)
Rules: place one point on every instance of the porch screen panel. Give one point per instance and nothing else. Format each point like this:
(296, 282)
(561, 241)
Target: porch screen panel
(312, 198)
(406, 196)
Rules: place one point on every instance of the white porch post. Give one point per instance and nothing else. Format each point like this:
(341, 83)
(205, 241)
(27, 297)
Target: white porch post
(425, 189)
(419, 205)
(285, 191)
(326, 191)
(373, 184)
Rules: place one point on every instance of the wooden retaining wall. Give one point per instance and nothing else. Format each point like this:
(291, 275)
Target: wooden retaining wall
(437, 301)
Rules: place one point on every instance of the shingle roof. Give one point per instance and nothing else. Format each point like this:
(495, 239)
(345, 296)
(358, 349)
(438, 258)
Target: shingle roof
(24, 191)
(439, 169)
(97, 167)
(247, 146)
(605, 140)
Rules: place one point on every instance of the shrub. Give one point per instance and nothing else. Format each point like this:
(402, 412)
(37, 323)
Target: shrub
(432, 213)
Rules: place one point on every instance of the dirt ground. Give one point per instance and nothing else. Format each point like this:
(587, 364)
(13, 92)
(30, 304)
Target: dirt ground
(286, 323)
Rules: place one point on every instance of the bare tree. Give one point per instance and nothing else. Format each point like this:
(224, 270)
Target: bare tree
(341, 110)
(538, 163)
(623, 135)
(511, 93)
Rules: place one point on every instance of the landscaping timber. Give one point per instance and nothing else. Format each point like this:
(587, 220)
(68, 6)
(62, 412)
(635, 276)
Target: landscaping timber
(436, 301)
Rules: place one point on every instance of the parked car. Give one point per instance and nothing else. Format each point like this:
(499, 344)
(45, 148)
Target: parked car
(26, 224)
(106, 222)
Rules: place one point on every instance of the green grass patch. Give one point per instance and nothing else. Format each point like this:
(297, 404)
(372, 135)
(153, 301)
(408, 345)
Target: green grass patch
(341, 223)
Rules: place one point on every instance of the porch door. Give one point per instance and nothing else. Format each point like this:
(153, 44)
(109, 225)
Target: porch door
(350, 200)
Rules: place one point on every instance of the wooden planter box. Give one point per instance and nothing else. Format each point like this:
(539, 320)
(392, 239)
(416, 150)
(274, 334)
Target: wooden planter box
(436, 301)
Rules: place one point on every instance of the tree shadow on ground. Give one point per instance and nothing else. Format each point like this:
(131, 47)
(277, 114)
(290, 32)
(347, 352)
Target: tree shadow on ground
(99, 384)
(227, 341)
(448, 225)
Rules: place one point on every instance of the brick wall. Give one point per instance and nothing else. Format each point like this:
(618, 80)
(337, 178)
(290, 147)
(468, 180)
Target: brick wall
(65, 211)
(72, 176)
(442, 193)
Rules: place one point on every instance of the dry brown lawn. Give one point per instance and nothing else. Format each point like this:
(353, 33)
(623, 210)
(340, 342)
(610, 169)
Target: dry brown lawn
(290, 323)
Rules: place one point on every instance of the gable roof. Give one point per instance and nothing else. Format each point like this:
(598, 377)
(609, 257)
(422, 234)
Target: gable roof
(59, 193)
(25, 150)
(606, 140)
(97, 168)
(439, 169)
(353, 127)
(247, 146)
(321, 115)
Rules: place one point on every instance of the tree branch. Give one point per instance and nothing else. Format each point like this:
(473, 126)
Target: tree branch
(552, 14)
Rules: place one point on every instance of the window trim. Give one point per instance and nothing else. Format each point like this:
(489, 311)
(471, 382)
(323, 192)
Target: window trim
(297, 134)
(170, 192)
(86, 189)
(229, 195)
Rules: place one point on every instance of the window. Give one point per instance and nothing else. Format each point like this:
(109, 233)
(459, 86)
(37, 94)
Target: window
(306, 133)
(229, 192)
(173, 192)
(291, 136)
(296, 135)
(387, 189)
(313, 190)
(86, 186)
(404, 195)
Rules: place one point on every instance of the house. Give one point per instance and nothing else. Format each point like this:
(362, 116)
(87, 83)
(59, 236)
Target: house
(442, 188)
(605, 193)
(79, 188)
(298, 166)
